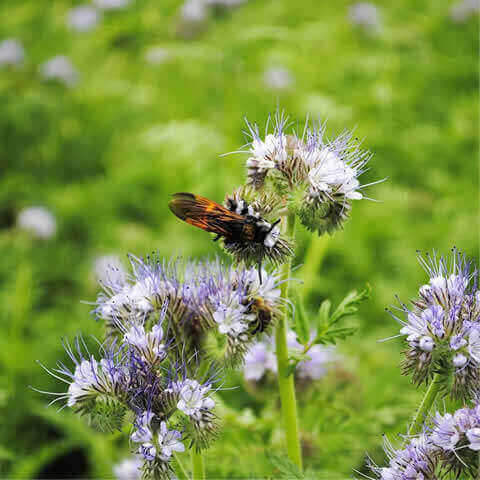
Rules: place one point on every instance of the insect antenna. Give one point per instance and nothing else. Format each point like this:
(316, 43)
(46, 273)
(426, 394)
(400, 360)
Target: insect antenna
(260, 271)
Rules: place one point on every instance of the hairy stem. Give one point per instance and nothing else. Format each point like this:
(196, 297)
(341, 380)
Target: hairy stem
(425, 406)
(198, 467)
(286, 384)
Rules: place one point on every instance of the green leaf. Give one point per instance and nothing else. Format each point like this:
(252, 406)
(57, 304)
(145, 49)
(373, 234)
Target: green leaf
(349, 305)
(302, 324)
(334, 334)
(286, 468)
(324, 313)
(293, 360)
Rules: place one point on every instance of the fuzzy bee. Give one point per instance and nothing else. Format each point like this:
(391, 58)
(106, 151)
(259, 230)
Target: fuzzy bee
(246, 235)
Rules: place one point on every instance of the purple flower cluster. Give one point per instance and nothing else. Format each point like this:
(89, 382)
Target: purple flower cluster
(141, 373)
(201, 299)
(261, 359)
(320, 174)
(443, 326)
(450, 444)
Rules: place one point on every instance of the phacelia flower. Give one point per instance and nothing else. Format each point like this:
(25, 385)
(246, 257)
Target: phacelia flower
(83, 18)
(128, 469)
(200, 300)
(442, 327)
(258, 361)
(148, 345)
(11, 52)
(111, 4)
(448, 443)
(416, 460)
(193, 397)
(278, 78)
(38, 221)
(316, 177)
(261, 359)
(156, 444)
(463, 10)
(60, 69)
(366, 16)
(457, 439)
(94, 386)
(109, 269)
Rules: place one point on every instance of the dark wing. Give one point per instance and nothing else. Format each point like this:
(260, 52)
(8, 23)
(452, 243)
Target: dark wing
(207, 215)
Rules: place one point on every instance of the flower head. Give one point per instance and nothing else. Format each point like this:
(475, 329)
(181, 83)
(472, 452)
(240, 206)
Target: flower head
(416, 460)
(197, 299)
(316, 177)
(111, 4)
(11, 52)
(83, 18)
(366, 16)
(442, 328)
(59, 69)
(261, 359)
(128, 469)
(109, 269)
(38, 221)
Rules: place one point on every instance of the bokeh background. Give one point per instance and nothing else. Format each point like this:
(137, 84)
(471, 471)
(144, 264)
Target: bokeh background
(145, 97)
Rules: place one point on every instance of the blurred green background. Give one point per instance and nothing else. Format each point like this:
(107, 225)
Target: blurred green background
(104, 153)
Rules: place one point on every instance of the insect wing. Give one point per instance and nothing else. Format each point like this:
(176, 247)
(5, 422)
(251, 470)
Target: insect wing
(206, 214)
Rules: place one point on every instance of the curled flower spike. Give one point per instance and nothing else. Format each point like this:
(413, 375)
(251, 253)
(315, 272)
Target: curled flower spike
(157, 444)
(91, 379)
(315, 176)
(417, 460)
(448, 445)
(208, 307)
(442, 328)
(194, 400)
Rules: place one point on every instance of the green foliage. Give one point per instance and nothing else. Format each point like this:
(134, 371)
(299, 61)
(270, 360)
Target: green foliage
(327, 331)
(324, 324)
(283, 467)
(106, 414)
(106, 155)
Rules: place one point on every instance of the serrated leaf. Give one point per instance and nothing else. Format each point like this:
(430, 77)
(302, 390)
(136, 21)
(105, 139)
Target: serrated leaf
(286, 468)
(335, 334)
(324, 313)
(302, 323)
(348, 305)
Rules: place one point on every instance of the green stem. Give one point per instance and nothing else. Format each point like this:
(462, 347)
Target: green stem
(286, 384)
(425, 406)
(181, 466)
(198, 467)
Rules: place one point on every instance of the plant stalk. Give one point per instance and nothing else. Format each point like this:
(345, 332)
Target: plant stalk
(286, 383)
(198, 466)
(181, 466)
(425, 406)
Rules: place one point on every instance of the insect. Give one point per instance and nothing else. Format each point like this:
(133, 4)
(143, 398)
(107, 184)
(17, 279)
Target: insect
(240, 226)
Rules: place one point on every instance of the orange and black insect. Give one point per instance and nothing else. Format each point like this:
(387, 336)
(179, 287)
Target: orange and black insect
(237, 223)
(240, 226)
